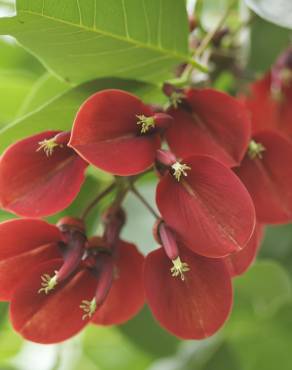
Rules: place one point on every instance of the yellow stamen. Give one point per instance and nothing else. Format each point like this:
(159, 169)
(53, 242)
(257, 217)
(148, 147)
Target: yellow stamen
(179, 268)
(89, 307)
(255, 150)
(48, 146)
(48, 283)
(180, 169)
(145, 122)
(176, 99)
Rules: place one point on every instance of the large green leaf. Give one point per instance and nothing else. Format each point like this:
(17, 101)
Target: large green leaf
(86, 39)
(58, 114)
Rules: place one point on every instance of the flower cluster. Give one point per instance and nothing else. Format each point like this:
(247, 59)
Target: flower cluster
(221, 177)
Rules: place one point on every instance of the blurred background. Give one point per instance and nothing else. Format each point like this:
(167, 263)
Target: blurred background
(258, 334)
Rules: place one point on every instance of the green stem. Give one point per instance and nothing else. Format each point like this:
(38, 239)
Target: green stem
(96, 200)
(144, 201)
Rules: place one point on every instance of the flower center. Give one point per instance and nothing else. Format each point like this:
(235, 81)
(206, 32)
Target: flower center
(255, 150)
(89, 307)
(179, 268)
(48, 283)
(48, 146)
(145, 122)
(176, 98)
(180, 170)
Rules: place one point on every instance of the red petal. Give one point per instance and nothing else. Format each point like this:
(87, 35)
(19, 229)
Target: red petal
(126, 296)
(106, 134)
(269, 180)
(268, 113)
(218, 126)
(209, 209)
(239, 262)
(194, 308)
(25, 244)
(54, 317)
(34, 185)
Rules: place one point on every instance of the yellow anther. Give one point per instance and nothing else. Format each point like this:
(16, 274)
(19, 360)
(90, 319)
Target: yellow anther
(255, 150)
(48, 283)
(48, 146)
(89, 307)
(176, 98)
(180, 170)
(179, 268)
(145, 122)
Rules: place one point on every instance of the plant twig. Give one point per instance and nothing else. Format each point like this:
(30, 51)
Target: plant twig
(144, 201)
(96, 200)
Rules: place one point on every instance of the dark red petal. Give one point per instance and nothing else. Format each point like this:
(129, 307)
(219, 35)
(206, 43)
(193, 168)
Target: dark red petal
(33, 184)
(268, 113)
(54, 317)
(218, 126)
(126, 296)
(239, 262)
(194, 308)
(269, 180)
(24, 244)
(106, 134)
(210, 209)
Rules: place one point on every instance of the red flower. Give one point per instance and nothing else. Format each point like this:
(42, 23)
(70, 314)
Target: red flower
(267, 173)
(117, 132)
(190, 295)
(238, 263)
(212, 123)
(40, 175)
(270, 99)
(24, 244)
(93, 293)
(58, 282)
(206, 205)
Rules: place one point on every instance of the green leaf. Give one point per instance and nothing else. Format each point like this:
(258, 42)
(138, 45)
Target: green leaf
(59, 113)
(264, 289)
(278, 12)
(267, 42)
(145, 332)
(44, 89)
(87, 39)
(265, 344)
(108, 349)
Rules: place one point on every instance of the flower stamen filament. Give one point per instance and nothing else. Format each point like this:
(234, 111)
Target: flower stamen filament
(48, 146)
(48, 283)
(89, 307)
(180, 170)
(179, 268)
(145, 122)
(255, 150)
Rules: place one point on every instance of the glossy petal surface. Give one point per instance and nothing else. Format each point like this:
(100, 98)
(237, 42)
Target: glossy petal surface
(194, 308)
(106, 134)
(54, 317)
(269, 179)
(217, 125)
(239, 262)
(33, 184)
(126, 296)
(210, 209)
(24, 244)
